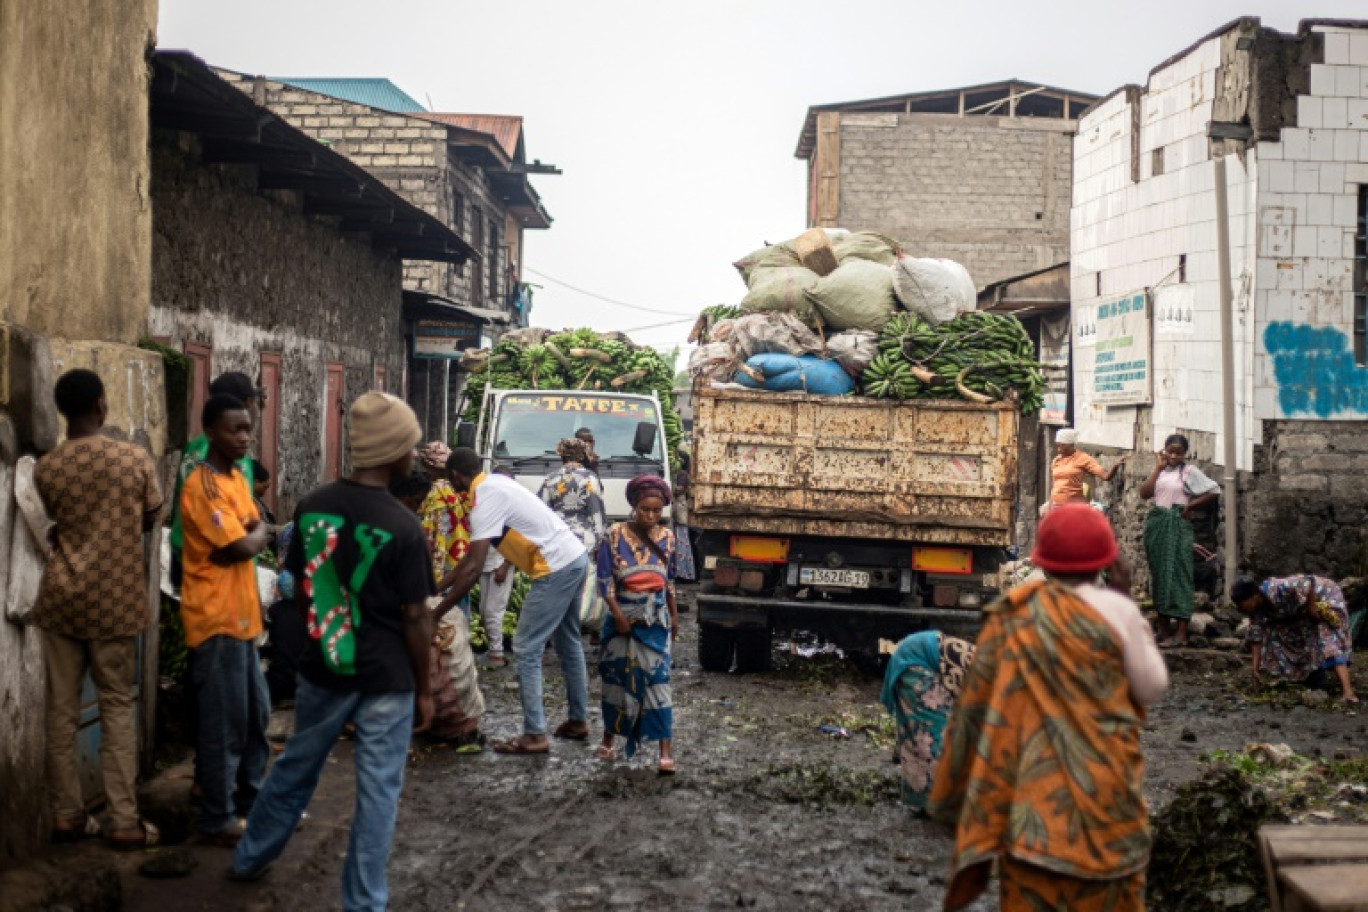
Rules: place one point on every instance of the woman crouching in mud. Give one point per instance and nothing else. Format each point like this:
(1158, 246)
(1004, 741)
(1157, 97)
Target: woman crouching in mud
(1041, 768)
(1298, 628)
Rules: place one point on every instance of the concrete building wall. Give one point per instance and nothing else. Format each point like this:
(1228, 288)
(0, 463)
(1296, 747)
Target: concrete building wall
(75, 246)
(247, 273)
(990, 192)
(76, 230)
(1144, 204)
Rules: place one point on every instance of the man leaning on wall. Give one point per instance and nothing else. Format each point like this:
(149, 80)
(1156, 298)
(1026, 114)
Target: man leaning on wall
(102, 495)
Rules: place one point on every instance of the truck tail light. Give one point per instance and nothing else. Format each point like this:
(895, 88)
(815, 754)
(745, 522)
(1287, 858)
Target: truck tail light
(760, 550)
(949, 561)
(727, 577)
(945, 596)
(752, 580)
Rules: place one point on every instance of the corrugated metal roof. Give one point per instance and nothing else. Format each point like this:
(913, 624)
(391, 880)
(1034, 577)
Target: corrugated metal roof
(377, 93)
(507, 129)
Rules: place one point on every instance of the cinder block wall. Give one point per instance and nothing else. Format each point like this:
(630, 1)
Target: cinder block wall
(990, 192)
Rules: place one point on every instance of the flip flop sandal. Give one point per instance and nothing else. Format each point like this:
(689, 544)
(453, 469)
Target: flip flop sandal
(606, 753)
(568, 731)
(83, 830)
(516, 747)
(666, 767)
(151, 837)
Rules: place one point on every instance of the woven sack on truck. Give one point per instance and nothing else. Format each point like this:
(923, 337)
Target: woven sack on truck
(858, 295)
(935, 290)
(867, 245)
(781, 290)
(755, 334)
(779, 373)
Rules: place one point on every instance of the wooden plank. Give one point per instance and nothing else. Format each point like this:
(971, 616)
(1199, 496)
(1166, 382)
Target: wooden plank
(828, 165)
(1329, 888)
(1325, 849)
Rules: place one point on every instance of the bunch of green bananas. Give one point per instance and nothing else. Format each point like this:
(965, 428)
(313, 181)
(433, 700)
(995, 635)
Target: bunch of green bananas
(889, 376)
(976, 356)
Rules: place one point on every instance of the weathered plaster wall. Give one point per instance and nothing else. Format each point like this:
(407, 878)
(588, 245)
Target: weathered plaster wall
(76, 230)
(247, 273)
(989, 192)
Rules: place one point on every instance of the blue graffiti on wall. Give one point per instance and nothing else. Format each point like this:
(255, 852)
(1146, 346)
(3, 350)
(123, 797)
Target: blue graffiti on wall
(1315, 370)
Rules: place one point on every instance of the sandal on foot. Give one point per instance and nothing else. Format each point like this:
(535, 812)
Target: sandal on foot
(666, 767)
(495, 662)
(519, 747)
(76, 830)
(572, 731)
(605, 752)
(150, 837)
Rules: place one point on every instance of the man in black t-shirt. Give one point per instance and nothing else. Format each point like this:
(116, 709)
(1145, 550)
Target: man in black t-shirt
(363, 577)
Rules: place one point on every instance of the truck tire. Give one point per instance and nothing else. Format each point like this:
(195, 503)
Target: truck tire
(753, 650)
(715, 646)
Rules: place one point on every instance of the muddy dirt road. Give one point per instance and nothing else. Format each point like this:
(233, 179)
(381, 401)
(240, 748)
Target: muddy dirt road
(766, 813)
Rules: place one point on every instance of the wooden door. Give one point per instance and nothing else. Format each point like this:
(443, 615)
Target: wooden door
(268, 435)
(200, 356)
(333, 405)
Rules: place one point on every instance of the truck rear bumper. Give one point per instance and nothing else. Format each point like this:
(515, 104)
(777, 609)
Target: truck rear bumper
(745, 611)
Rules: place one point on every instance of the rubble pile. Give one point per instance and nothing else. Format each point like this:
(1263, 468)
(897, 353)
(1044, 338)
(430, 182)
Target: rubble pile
(1206, 855)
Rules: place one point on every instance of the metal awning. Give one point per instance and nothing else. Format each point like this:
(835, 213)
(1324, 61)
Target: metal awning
(188, 96)
(420, 305)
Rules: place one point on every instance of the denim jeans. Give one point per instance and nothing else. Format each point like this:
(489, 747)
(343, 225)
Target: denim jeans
(384, 724)
(552, 610)
(231, 751)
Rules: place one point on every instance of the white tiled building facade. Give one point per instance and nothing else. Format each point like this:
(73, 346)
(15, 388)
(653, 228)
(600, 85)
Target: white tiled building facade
(1144, 219)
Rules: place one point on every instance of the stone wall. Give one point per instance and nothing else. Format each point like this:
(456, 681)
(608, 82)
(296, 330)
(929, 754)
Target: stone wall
(1307, 503)
(990, 192)
(411, 156)
(76, 227)
(246, 272)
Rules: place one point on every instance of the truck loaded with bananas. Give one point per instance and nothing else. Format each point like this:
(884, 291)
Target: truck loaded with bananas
(536, 387)
(866, 516)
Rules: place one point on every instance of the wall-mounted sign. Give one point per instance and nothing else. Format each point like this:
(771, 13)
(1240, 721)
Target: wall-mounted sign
(1054, 364)
(1174, 310)
(443, 338)
(1121, 353)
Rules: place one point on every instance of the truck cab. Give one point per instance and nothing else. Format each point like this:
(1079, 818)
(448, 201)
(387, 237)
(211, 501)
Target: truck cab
(519, 430)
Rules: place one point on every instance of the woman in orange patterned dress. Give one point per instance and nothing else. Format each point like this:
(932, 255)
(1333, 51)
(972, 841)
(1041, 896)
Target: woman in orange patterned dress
(1041, 769)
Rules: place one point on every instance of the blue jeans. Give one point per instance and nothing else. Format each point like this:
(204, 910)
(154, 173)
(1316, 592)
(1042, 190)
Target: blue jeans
(231, 751)
(384, 724)
(552, 609)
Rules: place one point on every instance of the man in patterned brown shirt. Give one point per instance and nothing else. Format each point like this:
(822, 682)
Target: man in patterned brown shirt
(103, 496)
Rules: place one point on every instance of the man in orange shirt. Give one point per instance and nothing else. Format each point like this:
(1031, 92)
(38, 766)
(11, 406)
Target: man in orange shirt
(1069, 467)
(222, 615)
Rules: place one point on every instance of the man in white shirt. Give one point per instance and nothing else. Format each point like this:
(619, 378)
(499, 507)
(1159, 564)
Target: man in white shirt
(507, 516)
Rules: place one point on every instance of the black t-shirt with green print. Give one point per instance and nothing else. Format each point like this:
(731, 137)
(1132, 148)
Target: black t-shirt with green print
(364, 557)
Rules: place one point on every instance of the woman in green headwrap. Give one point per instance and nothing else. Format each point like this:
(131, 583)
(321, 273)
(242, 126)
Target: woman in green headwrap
(920, 687)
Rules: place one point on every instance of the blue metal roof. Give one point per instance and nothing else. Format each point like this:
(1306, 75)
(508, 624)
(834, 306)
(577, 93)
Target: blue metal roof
(377, 93)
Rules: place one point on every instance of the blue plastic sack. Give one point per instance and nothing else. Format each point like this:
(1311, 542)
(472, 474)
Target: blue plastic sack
(797, 374)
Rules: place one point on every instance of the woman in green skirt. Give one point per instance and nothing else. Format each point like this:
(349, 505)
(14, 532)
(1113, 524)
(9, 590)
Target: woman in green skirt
(1177, 489)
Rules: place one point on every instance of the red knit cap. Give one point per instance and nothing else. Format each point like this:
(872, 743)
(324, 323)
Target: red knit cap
(1074, 538)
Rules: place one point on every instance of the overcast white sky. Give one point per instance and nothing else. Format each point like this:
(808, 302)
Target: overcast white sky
(676, 124)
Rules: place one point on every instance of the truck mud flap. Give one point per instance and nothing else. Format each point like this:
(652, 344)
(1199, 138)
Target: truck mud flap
(744, 611)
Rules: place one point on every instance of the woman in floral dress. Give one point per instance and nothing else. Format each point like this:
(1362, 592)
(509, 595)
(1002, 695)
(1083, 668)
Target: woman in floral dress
(921, 684)
(1298, 626)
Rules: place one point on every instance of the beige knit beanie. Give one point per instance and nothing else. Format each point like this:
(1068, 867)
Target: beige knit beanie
(382, 428)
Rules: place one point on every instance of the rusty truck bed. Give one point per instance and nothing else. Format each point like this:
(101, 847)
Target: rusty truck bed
(936, 472)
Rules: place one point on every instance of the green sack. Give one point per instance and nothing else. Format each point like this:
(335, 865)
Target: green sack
(774, 256)
(781, 290)
(858, 295)
(866, 245)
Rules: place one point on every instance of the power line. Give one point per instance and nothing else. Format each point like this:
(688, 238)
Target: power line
(658, 325)
(606, 300)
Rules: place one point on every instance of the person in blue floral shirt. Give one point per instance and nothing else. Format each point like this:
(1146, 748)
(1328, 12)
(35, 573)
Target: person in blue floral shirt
(576, 494)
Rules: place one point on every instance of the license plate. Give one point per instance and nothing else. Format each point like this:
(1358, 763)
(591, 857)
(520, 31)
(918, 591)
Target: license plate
(821, 576)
